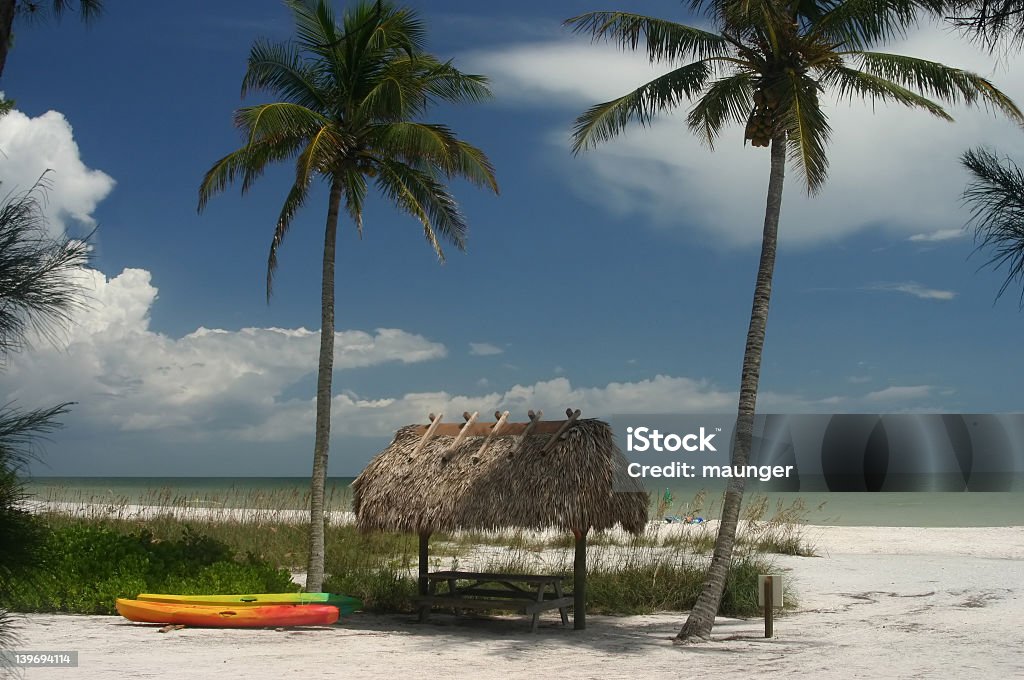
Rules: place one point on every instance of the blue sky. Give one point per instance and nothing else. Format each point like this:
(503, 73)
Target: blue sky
(618, 281)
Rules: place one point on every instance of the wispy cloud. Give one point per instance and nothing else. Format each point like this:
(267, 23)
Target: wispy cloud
(484, 349)
(859, 379)
(901, 393)
(662, 172)
(915, 289)
(939, 235)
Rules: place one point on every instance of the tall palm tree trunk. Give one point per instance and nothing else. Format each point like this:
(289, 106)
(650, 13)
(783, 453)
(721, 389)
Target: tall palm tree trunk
(6, 23)
(702, 617)
(325, 371)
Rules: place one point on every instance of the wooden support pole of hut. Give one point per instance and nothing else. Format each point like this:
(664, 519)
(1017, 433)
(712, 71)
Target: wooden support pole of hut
(424, 555)
(434, 422)
(470, 419)
(573, 415)
(534, 419)
(465, 427)
(501, 418)
(579, 581)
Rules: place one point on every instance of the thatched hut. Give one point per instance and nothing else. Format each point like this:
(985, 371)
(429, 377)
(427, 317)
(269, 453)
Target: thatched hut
(534, 475)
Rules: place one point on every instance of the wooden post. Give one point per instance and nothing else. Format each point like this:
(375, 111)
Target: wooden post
(579, 581)
(424, 554)
(769, 608)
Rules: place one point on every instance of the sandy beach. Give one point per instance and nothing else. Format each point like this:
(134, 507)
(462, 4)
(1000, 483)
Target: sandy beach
(876, 603)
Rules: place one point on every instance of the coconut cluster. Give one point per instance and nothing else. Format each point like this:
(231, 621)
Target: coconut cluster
(762, 122)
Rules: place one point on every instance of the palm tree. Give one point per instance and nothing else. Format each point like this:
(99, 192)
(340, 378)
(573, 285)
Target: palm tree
(765, 65)
(9, 9)
(996, 198)
(350, 97)
(38, 293)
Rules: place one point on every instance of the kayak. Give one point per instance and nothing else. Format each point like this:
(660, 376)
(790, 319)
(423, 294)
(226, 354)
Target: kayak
(345, 604)
(220, 616)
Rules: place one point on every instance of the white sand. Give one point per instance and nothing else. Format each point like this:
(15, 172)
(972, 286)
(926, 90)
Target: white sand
(879, 603)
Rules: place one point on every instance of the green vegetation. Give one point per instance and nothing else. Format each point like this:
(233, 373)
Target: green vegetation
(88, 566)
(207, 545)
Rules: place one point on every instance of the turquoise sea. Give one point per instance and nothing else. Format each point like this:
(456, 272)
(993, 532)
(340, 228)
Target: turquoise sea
(828, 508)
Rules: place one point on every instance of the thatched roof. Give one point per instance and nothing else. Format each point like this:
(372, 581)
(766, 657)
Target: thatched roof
(438, 489)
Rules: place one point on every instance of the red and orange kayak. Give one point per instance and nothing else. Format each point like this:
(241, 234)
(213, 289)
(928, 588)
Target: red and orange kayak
(223, 616)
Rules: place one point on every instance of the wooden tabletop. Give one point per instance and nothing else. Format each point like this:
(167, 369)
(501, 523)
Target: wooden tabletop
(481, 576)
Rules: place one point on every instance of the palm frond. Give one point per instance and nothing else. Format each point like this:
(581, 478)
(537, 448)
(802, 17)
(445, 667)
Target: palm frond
(88, 9)
(356, 189)
(664, 41)
(21, 432)
(604, 121)
(849, 82)
(937, 80)
(39, 292)
(727, 100)
(444, 83)
(249, 163)
(278, 122)
(859, 24)
(292, 202)
(279, 68)
(991, 23)
(436, 145)
(996, 199)
(806, 128)
(421, 195)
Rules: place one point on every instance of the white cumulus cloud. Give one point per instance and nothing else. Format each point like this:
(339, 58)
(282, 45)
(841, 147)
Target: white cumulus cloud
(128, 377)
(31, 146)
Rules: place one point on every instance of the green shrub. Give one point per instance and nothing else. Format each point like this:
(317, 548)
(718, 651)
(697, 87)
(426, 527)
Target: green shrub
(87, 567)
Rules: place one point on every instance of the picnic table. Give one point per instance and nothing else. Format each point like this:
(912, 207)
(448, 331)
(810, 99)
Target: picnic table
(529, 593)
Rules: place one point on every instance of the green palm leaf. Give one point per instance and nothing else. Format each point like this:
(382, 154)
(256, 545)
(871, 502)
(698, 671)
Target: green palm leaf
(421, 195)
(727, 100)
(806, 128)
(849, 82)
(422, 144)
(664, 41)
(859, 24)
(604, 121)
(280, 68)
(996, 199)
(949, 84)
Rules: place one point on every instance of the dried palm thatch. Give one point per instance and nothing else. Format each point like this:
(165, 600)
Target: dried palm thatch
(511, 484)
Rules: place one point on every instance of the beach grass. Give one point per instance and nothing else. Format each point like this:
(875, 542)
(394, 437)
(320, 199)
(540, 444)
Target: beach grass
(661, 569)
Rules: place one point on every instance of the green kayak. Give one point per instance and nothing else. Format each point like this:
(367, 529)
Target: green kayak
(344, 603)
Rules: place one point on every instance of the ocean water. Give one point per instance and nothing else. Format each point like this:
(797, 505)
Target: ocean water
(918, 508)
